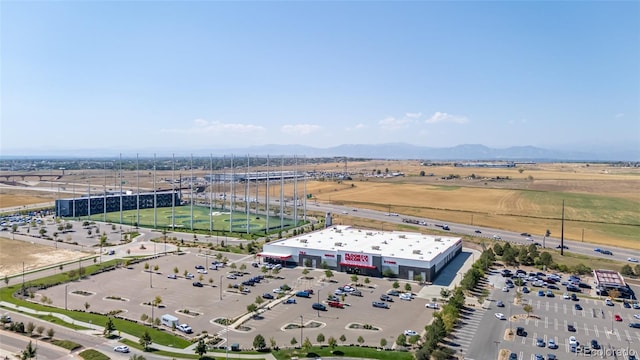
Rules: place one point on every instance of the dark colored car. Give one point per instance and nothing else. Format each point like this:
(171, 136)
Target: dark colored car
(571, 328)
(606, 252)
(520, 331)
(198, 284)
(584, 285)
(267, 296)
(380, 304)
(594, 344)
(385, 297)
(634, 325)
(578, 307)
(563, 246)
(573, 288)
(478, 232)
(513, 356)
(303, 294)
(199, 267)
(574, 297)
(626, 305)
(318, 306)
(393, 293)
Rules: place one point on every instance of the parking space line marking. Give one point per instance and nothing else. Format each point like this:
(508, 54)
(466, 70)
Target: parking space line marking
(524, 339)
(586, 329)
(606, 333)
(618, 335)
(595, 329)
(555, 323)
(546, 322)
(536, 322)
(566, 344)
(539, 304)
(564, 308)
(565, 324)
(555, 305)
(533, 340)
(626, 332)
(547, 306)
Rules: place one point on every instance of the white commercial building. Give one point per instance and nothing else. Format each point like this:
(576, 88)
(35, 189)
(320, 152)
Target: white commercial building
(367, 252)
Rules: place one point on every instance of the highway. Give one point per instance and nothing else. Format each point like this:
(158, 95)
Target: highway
(583, 248)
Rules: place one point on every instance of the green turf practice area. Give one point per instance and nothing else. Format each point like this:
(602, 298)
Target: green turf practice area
(220, 219)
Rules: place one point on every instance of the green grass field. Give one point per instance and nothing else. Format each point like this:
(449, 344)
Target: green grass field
(219, 219)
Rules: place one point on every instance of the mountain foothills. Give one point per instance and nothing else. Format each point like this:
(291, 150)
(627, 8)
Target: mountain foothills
(396, 151)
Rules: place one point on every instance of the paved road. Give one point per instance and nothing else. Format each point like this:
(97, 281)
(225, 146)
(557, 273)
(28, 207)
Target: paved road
(620, 254)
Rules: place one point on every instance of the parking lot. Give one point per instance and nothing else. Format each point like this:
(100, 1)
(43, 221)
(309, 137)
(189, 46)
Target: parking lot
(550, 320)
(131, 290)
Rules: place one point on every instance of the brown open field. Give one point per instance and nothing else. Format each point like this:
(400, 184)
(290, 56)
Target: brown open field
(35, 256)
(601, 199)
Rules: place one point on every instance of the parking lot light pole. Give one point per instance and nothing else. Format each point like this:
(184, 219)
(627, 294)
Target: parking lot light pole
(220, 285)
(301, 328)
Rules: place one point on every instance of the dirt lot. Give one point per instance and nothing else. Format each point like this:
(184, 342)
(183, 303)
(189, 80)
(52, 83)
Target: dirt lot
(14, 252)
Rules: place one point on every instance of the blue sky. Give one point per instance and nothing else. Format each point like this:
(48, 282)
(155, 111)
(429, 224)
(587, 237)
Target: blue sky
(211, 75)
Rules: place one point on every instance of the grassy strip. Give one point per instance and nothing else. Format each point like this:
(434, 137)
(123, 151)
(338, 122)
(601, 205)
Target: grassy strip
(343, 351)
(91, 354)
(135, 345)
(67, 344)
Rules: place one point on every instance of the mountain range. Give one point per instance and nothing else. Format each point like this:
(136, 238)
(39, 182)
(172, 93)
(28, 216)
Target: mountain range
(395, 151)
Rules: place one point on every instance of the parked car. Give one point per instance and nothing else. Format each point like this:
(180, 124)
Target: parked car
(406, 296)
(385, 297)
(608, 302)
(500, 316)
(626, 305)
(410, 333)
(634, 325)
(617, 317)
(197, 284)
(303, 294)
(318, 306)
(393, 293)
(121, 349)
(594, 344)
(199, 267)
(552, 344)
(267, 296)
(289, 300)
(520, 331)
(380, 304)
(571, 328)
(513, 356)
(172, 276)
(336, 304)
(578, 307)
(540, 342)
(432, 306)
(356, 293)
(499, 303)
(185, 328)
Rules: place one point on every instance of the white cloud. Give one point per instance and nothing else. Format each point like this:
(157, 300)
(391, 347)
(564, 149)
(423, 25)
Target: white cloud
(300, 129)
(359, 126)
(414, 115)
(202, 126)
(619, 115)
(438, 117)
(394, 123)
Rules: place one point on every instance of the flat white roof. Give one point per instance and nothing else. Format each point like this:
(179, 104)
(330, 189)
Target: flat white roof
(402, 245)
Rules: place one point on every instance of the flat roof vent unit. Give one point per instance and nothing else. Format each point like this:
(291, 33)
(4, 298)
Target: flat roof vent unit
(438, 239)
(337, 244)
(375, 247)
(402, 236)
(338, 231)
(304, 241)
(384, 242)
(369, 233)
(417, 251)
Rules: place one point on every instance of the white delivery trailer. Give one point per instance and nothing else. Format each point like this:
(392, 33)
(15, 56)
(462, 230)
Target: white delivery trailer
(169, 320)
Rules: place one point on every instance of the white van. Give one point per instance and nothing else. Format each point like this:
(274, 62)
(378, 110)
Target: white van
(432, 306)
(169, 320)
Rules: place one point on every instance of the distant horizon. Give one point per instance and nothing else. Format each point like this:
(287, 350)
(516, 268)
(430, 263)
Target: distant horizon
(397, 151)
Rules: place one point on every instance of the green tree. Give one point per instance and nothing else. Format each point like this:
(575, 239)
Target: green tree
(259, 342)
(109, 327)
(306, 345)
(407, 287)
(354, 278)
(414, 339)
(201, 348)
(328, 274)
(320, 338)
(498, 249)
(272, 343)
(293, 341)
(50, 333)
(343, 338)
(332, 342)
(383, 343)
(626, 270)
(252, 308)
(305, 272)
(545, 259)
(360, 340)
(176, 270)
(396, 285)
(528, 309)
(445, 293)
(146, 266)
(29, 352)
(39, 330)
(145, 340)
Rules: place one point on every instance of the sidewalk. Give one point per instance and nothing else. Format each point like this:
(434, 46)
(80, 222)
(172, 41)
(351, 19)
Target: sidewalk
(98, 330)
